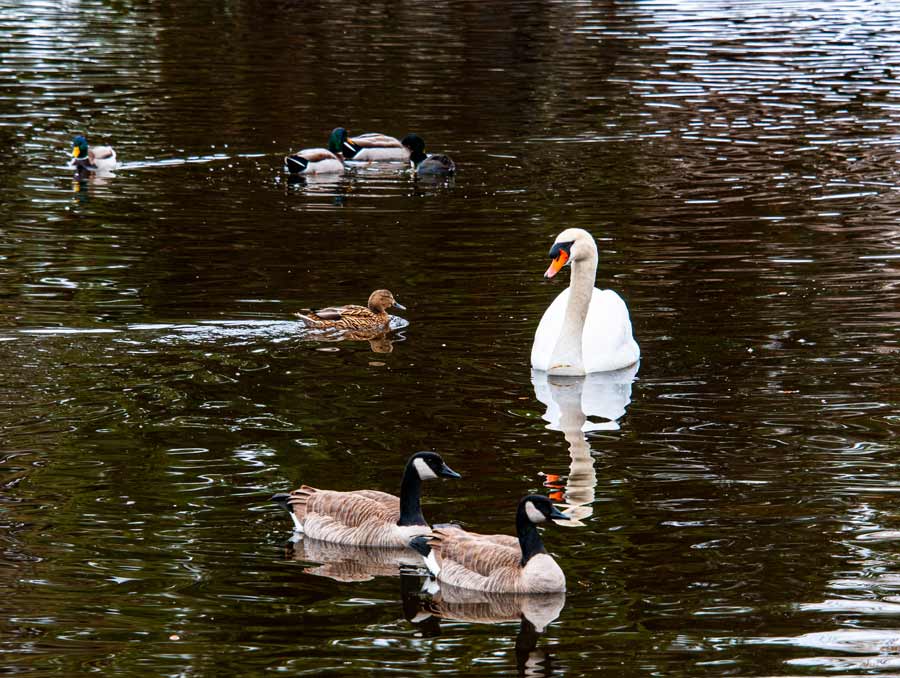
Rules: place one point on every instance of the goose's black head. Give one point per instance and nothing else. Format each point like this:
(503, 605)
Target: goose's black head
(430, 465)
(539, 509)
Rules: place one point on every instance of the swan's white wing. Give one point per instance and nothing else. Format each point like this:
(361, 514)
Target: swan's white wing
(548, 332)
(607, 343)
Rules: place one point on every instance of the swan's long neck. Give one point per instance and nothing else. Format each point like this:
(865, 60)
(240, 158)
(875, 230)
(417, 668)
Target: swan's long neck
(567, 354)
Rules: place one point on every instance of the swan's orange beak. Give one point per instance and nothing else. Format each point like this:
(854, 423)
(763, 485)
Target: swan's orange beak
(557, 264)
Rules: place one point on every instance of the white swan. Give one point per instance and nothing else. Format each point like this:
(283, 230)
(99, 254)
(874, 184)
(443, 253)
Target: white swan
(585, 329)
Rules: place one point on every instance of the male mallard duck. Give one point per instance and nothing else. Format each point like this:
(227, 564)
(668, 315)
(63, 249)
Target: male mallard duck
(313, 161)
(359, 318)
(585, 329)
(423, 164)
(367, 517)
(369, 147)
(99, 160)
(496, 562)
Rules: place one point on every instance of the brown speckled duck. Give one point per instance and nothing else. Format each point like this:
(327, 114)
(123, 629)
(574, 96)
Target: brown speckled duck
(358, 318)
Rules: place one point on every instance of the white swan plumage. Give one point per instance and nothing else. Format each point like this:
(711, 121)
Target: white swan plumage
(585, 329)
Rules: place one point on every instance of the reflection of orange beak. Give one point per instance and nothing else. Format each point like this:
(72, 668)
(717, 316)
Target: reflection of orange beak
(557, 264)
(556, 496)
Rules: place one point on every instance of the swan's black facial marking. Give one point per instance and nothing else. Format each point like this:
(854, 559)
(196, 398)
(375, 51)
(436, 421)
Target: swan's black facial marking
(561, 247)
(560, 255)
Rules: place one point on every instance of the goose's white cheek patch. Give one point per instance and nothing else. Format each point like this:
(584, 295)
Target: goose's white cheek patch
(533, 514)
(424, 470)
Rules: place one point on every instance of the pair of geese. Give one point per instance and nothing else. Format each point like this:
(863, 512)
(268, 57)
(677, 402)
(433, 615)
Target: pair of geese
(584, 330)
(371, 147)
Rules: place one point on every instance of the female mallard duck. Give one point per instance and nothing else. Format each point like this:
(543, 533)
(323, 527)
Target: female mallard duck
(367, 517)
(313, 161)
(585, 329)
(88, 160)
(369, 147)
(375, 318)
(423, 164)
(496, 563)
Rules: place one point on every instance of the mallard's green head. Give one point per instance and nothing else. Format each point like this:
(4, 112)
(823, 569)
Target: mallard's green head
(79, 147)
(337, 139)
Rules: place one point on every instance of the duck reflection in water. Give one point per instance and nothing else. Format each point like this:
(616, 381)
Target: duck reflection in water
(425, 607)
(571, 402)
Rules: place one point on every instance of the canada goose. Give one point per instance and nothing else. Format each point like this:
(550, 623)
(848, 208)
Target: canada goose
(585, 329)
(91, 160)
(369, 147)
(423, 164)
(373, 318)
(367, 517)
(496, 562)
(313, 161)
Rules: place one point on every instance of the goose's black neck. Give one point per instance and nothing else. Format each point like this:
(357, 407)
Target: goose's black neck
(417, 156)
(410, 494)
(529, 537)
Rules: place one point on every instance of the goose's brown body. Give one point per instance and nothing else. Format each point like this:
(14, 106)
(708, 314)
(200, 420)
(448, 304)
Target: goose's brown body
(367, 517)
(492, 562)
(357, 517)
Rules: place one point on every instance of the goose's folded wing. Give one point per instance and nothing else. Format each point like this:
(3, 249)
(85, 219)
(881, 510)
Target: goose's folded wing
(352, 509)
(389, 500)
(479, 553)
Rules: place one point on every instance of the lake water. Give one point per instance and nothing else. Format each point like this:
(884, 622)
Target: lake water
(737, 494)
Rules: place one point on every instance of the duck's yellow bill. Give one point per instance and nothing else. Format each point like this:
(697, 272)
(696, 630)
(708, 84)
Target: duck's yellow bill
(557, 264)
(75, 152)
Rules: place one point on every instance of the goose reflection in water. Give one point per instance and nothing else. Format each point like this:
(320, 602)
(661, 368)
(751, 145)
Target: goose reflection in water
(350, 563)
(571, 403)
(426, 606)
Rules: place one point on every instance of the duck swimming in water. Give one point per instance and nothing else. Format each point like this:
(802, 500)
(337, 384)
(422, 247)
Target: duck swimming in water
(92, 160)
(373, 317)
(369, 147)
(424, 164)
(314, 161)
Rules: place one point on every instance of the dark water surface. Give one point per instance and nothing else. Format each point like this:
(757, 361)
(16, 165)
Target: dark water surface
(738, 163)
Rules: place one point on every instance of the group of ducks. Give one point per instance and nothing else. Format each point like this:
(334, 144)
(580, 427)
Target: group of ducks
(371, 147)
(584, 330)
(365, 148)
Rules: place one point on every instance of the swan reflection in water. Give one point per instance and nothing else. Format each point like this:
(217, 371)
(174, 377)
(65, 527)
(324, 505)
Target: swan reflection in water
(425, 607)
(571, 403)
